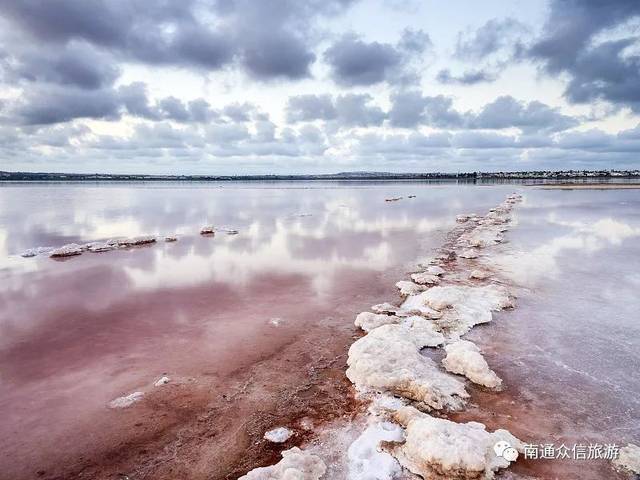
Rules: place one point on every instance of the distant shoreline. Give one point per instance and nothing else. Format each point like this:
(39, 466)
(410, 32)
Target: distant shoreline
(473, 177)
(588, 186)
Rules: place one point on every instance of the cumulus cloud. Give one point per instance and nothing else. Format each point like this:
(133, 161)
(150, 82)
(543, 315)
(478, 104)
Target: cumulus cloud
(410, 109)
(577, 40)
(355, 62)
(497, 36)
(56, 104)
(491, 48)
(267, 39)
(350, 110)
(506, 112)
(303, 108)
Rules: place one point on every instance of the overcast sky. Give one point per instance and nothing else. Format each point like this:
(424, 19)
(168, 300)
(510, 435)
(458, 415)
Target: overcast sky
(318, 86)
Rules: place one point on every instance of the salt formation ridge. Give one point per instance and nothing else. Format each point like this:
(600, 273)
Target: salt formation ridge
(442, 301)
(74, 249)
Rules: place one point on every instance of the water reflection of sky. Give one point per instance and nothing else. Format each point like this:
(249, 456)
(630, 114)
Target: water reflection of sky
(76, 333)
(575, 335)
(311, 232)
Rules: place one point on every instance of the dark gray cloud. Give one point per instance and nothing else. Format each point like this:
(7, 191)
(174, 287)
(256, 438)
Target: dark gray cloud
(410, 109)
(162, 32)
(468, 77)
(506, 112)
(268, 39)
(355, 62)
(350, 110)
(357, 110)
(303, 108)
(50, 103)
(577, 41)
(56, 104)
(491, 48)
(76, 63)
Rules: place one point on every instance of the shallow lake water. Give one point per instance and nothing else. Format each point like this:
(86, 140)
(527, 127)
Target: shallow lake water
(249, 316)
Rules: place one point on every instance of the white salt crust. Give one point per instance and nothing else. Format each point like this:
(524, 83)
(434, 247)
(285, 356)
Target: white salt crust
(278, 435)
(388, 359)
(366, 460)
(126, 401)
(464, 358)
(436, 448)
(629, 459)
(296, 464)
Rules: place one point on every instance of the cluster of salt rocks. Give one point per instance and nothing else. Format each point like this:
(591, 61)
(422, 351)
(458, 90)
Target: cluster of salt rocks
(441, 303)
(74, 249)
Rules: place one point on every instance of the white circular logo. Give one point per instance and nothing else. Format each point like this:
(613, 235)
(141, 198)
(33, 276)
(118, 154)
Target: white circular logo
(505, 450)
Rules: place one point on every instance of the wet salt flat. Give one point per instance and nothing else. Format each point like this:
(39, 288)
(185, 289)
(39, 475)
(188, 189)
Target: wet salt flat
(244, 316)
(251, 330)
(569, 353)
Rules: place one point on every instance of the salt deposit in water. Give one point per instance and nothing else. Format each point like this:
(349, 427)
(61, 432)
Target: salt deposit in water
(464, 358)
(126, 401)
(278, 435)
(461, 306)
(629, 459)
(388, 359)
(439, 449)
(366, 459)
(424, 278)
(296, 464)
(136, 241)
(66, 251)
(384, 308)
(367, 321)
(469, 253)
(409, 288)
(162, 381)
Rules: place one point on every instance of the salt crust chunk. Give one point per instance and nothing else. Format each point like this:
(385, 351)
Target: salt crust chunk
(366, 459)
(367, 321)
(469, 253)
(436, 448)
(479, 274)
(385, 307)
(278, 435)
(461, 307)
(67, 251)
(435, 270)
(409, 288)
(296, 464)
(134, 241)
(424, 278)
(388, 359)
(464, 358)
(629, 459)
(126, 401)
